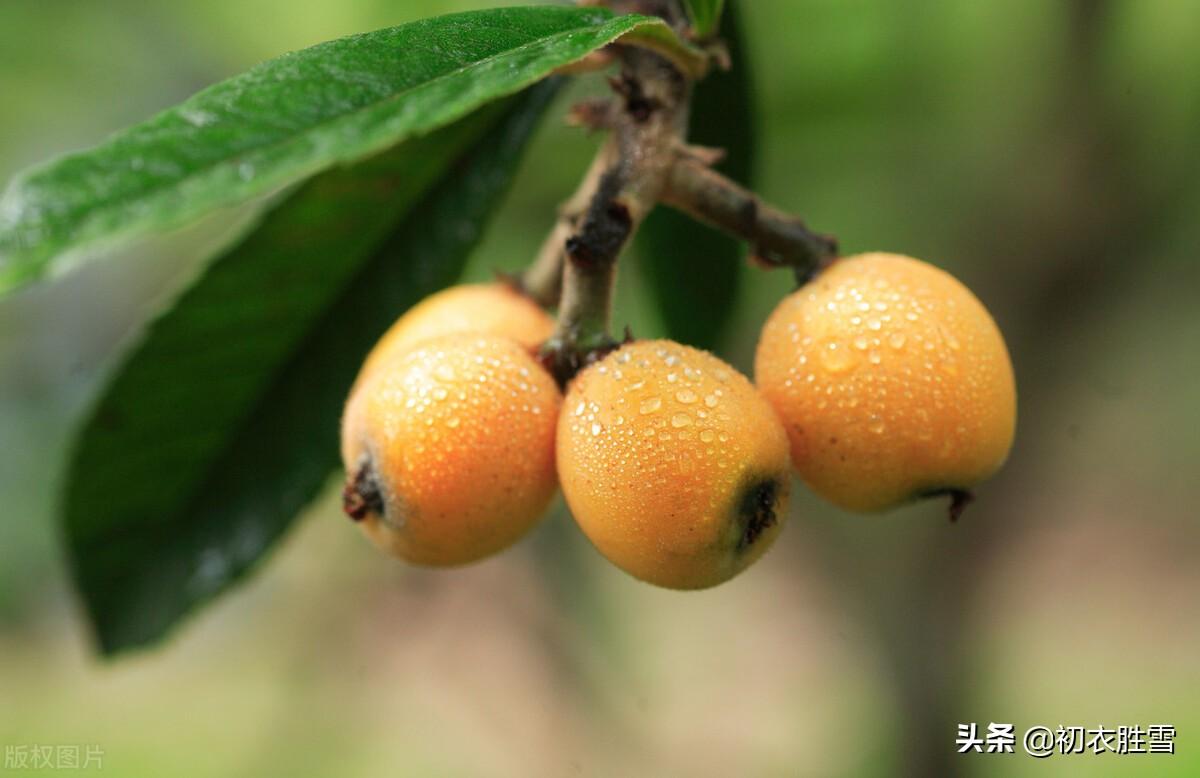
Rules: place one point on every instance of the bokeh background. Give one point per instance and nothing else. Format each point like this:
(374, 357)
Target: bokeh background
(1044, 152)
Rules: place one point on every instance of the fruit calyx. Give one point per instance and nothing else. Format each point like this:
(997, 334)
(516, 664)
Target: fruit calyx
(959, 500)
(756, 513)
(361, 495)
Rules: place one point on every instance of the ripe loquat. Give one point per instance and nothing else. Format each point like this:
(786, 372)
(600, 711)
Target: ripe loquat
(892, 380)
(496, 308)
(672, 464)
(449, 449)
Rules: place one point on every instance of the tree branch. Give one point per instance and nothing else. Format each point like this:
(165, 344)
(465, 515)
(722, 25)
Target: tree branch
(777, 239)
(644, 161)
(625, 182)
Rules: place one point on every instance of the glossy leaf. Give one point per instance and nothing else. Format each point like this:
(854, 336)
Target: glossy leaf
(291, 117)
(705, 15)
(223, 423)
(693, 270)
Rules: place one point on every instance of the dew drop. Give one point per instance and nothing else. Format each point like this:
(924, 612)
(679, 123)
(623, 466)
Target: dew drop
(595, 430)
(711, 401)
(686, 396)
(836, 358)
(452, 422)
(896, 340)
(651, 405)
(707, 436)
(681, 420)
(861, 343)
(874, 358)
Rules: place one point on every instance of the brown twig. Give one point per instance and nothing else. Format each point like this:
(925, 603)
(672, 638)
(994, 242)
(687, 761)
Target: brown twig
(645, 160)
(623, 185)
(777, 239)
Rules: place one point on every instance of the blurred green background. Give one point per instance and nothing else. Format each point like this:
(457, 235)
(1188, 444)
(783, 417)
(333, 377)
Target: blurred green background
(1044, 152)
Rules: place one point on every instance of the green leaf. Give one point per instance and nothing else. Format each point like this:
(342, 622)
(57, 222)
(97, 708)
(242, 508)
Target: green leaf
(705, 15)
(291, 117)
(223, 423)
(693, 270)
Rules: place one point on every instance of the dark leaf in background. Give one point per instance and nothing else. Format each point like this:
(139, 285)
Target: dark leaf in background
(693, 270)
(223, 423)
(290, 118)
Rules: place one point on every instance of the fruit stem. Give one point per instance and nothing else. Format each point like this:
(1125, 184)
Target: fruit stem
(644, 161)
(542, 280)
(649, 121)
(777, 239)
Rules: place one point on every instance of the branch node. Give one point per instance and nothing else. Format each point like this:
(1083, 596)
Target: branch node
(703, 155)
(594, 114)
(638, 105)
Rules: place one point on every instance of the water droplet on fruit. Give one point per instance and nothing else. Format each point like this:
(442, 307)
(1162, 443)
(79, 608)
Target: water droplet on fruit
(686, 396)
(836, 358)
(681, 420)
(651, 405)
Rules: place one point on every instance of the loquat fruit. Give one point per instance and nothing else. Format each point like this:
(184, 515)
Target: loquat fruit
(495, 308)
(449, 449)
(892, 380)
(672, 464)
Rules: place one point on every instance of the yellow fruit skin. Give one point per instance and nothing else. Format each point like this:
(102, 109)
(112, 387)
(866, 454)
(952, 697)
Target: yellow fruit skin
(458, 435)
(666, 456)
(496, 309)
(892, 381)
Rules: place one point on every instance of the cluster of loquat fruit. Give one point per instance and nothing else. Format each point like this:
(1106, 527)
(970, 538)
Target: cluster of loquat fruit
(881, 380)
